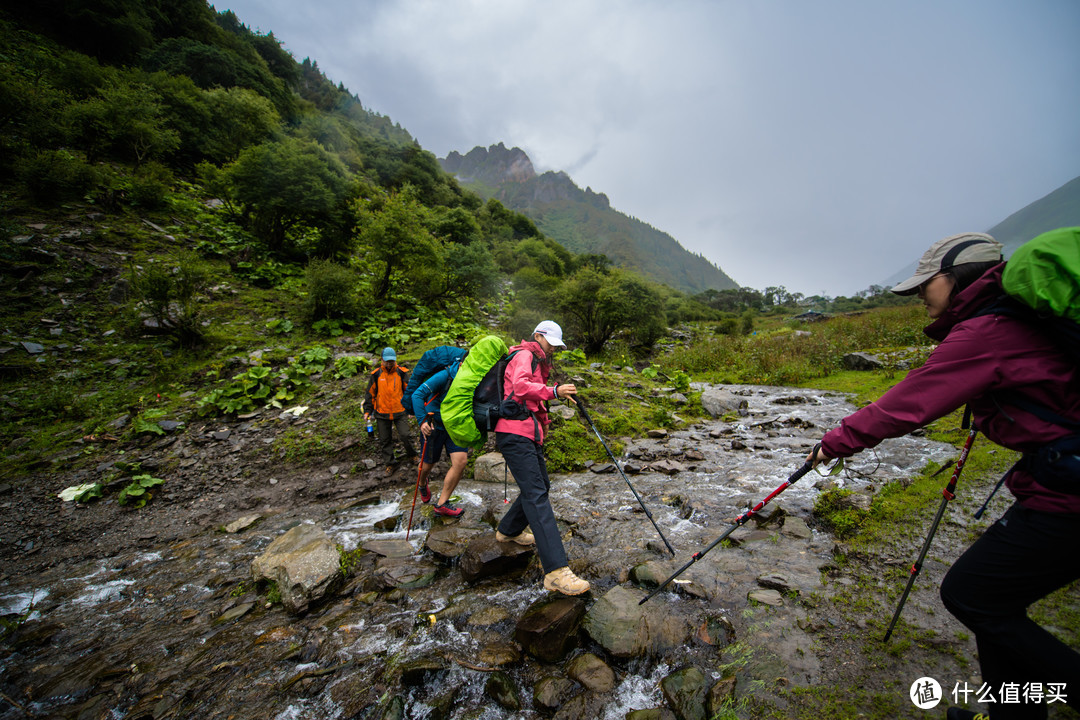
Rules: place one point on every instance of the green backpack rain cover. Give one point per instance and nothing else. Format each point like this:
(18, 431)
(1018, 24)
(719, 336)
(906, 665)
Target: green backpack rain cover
(457, 405)
(1044, 273)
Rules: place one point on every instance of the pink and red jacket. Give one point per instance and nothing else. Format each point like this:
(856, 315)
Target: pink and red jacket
(529, 387)
(981, 360)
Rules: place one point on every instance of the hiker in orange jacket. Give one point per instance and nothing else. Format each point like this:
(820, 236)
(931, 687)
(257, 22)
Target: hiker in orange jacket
(383, 400)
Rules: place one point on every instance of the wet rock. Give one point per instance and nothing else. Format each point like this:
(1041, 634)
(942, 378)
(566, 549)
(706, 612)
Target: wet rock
(626, 629)
(658, 433)
(394, 710)
(364, 501)
(601, 468)
(233, 613)
(720, 696)
(388, 524)
(766, 597)
(716, 631)
(862, 361)
(33, 348)
(405, 573)
(449, 542)
(488, 616)
(631, 468)
(500, 688)
(548, 628)
(242, 523)
(490, 468)
(797, 528)
(776, 581)
(668, 467)
(718, 402)
(500, 653)
(416, 673)
(695, 455)
(170, 425)
(685, 692)
(679, 399)
(551, 692)
(592, 672)
(484, 557)
(304, 563)
(649, 574)
(389, 548)
(651, 714)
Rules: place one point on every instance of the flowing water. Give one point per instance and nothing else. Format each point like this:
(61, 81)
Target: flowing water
(177, 631)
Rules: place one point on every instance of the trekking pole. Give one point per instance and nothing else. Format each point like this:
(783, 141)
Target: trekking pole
(739, 521)
(948, 493)
(980, 511)
(419, 469)
(585, 414)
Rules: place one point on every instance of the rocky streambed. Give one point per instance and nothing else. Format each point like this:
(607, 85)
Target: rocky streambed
(440, 621)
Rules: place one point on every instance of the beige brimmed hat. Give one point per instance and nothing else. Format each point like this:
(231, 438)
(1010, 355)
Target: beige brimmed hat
(944, 254)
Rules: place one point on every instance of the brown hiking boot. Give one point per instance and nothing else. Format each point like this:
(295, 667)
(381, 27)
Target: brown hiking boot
(565, 581)
(525, 538)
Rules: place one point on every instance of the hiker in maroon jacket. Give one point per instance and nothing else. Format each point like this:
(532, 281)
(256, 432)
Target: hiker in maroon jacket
(987, 361)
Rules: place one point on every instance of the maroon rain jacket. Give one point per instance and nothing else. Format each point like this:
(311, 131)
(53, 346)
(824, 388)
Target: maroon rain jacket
(978, 356)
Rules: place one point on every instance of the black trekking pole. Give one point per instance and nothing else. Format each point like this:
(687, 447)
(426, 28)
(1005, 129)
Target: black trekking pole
(739, 521)
(585, 414)
(948, 493)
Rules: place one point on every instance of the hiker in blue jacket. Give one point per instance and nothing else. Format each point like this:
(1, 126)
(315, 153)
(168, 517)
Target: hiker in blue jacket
(427, 400)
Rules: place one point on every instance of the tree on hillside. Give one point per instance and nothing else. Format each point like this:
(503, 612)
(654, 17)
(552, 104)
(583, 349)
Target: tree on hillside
(285, 184)
(600, 305)
(396, 244)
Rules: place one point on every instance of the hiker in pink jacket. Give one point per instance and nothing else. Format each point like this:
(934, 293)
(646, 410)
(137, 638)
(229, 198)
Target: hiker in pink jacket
(1013, 377)
(521, 442)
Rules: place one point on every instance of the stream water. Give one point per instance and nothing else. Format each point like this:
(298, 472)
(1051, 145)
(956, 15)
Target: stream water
(177, 631)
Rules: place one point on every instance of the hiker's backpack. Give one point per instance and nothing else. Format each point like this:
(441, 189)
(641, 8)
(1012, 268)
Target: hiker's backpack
(431, 362)
(1044, 275)
(1042, 285)
(474, 402)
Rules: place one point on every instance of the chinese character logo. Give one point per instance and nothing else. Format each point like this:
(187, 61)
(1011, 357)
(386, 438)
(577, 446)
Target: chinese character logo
(925, 693)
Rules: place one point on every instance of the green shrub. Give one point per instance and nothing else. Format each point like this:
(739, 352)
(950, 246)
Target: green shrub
(150, 185)
(171, 297)
(53, 176)
(331, 291)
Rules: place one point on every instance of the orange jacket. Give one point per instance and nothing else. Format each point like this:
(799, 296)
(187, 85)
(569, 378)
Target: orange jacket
(384, 392)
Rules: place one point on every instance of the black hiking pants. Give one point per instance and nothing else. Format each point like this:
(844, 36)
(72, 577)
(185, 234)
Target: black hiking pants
(1024, 556)
(532, 507)
(386, 437)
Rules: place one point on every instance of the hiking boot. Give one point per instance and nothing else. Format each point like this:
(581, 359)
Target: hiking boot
(525, 538)
(448, 510)
(956, 713)
(425, 494)
(565, 581)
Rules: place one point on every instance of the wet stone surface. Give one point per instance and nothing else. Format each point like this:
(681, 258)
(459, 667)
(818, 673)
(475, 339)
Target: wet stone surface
(173, 627)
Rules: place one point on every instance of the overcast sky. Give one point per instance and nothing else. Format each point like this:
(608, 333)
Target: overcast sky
(820, 145)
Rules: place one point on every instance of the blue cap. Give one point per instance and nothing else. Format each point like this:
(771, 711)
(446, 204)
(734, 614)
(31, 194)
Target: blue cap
(389, 354)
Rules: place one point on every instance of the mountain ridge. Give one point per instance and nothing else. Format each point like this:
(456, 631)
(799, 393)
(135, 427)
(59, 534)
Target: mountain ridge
(1058, 208)
(583, 221)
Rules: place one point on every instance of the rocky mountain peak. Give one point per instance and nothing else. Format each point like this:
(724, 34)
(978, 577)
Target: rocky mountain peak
(491, 166)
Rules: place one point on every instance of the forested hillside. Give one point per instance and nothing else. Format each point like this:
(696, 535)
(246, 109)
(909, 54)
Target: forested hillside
(129, 108)
(583, 220)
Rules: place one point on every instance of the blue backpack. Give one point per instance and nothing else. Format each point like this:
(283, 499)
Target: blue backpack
(431, 362)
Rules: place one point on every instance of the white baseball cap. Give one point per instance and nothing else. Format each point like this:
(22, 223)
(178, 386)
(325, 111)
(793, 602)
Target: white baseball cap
(552, 332)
